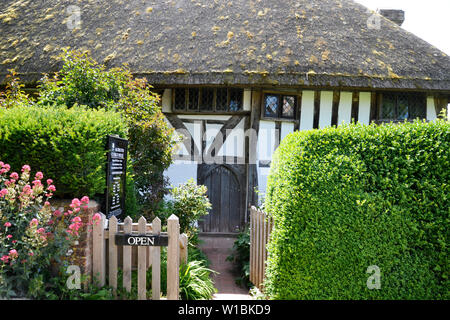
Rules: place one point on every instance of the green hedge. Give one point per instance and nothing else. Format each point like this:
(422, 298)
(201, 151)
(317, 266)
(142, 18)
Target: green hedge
(347, 198)
(67, 145)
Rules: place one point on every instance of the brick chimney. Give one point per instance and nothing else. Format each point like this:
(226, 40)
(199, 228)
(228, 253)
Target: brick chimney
(396, 16)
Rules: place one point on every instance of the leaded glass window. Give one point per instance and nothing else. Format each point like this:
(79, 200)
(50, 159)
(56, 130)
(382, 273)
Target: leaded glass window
(403, 106)
(235, 100)
(279, 106)
(193, 99)
(208, 99)
(222, 99)
(180, 99)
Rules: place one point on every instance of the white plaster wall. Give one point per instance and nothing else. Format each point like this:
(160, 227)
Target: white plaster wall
(266, 140)
(181, 171)
(166, 100)
(247, 100)
(234, 145)
(326, 107)
(364, 107)
(345, 108)
(307, 114)
(286, 128)
(431, 111)
(266, 146)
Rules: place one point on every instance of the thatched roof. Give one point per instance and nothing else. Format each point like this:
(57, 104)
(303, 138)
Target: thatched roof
(258, 42)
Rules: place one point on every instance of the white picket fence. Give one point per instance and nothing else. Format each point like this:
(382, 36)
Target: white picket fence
(106, 255)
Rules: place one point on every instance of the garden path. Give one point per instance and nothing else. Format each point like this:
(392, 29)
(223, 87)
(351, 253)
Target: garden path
(217, 249)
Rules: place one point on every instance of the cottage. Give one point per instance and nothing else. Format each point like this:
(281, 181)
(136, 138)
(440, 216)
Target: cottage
(237, 76)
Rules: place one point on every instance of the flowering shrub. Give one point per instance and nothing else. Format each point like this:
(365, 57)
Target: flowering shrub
(34, 238)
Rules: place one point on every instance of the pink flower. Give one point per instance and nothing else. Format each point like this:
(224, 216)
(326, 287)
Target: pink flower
(6, 167)
(26, 168)
(7, 224)
(5, 259)
(37, 183)
(75, 203)
(14, 241)
(9, 236)
(39, 175)
(85, 199)
(31, 253)
(3, 192)
(51, 188)
(40, 230)
(13, 254)
(14, 175)
(57, 213)
(76, 219)
(49, 181)
(34, 222)
(96, 218)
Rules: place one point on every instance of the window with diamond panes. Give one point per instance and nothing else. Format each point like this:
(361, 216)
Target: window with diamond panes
(403, 106)
(288, 108)
(180, 99)
(207, 99)
(279, 106)
(222, 99)
(193, 99)
(271, 106)
(235, 100)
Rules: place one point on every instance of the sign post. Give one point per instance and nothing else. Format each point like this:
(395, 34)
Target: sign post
(116, 176)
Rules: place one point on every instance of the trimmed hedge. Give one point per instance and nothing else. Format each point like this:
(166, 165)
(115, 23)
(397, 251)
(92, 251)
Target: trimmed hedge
(68, 145)
(347, 198)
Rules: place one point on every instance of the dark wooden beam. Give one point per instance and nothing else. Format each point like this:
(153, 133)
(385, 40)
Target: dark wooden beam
(355, 106)
(223, 133)
(373, 107)
(335, 108)
(316, 109)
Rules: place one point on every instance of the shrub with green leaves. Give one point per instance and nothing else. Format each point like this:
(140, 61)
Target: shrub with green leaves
(241, 258)
(344, 199)
(189, 203)
(67, 144)
(83, 81)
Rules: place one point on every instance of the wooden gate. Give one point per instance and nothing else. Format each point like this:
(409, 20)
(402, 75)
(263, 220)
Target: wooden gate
(260, 229)
(107, 252)
(227, 196)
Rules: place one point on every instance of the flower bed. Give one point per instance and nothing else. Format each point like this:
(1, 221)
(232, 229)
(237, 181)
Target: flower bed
(35, 239)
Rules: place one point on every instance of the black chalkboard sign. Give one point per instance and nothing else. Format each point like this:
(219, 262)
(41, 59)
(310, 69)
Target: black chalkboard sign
(142, 240)
(116, 176)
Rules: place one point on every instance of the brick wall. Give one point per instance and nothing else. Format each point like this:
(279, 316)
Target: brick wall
(82, 251)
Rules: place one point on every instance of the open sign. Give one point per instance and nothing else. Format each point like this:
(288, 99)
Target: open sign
(142, 240)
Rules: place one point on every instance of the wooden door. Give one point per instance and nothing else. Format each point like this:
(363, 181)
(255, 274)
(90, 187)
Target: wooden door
(227, 196)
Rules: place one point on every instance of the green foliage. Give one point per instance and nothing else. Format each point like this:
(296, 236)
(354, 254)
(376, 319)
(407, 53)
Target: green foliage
(348, 198)
(83, 81)
(67, 144)
(241, 257)
(189, 203)
(195, 281)
(14, 94)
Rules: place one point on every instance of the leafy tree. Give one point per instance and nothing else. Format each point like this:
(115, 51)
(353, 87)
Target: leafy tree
(83, 81)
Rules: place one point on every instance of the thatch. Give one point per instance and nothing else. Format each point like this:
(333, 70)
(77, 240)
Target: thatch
(241, 42)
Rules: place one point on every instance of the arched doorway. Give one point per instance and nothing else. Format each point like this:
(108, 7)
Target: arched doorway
(226, 194)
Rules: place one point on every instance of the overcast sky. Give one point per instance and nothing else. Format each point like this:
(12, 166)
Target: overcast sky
(428, 19)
